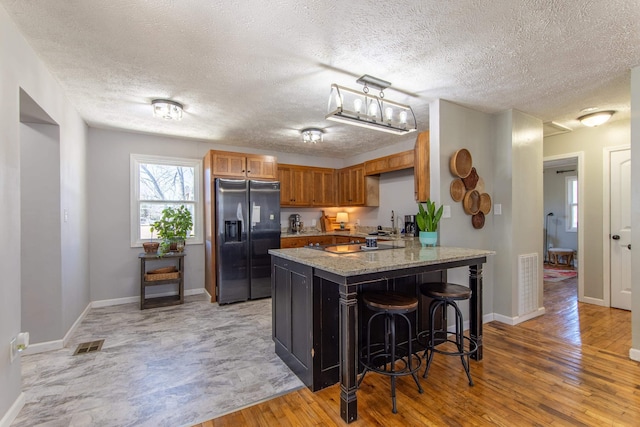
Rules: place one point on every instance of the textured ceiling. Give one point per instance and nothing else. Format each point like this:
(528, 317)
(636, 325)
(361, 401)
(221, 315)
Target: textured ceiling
(253, 73)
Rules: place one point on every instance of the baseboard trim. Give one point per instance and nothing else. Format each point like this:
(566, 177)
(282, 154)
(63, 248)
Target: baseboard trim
(129, 300)
(634, 354)
(594, 301)
(512, 321)
(13, 411)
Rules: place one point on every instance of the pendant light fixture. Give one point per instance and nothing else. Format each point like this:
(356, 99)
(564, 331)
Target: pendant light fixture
(368, 110)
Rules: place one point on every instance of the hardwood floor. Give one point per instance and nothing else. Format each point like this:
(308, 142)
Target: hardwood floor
(568, 367)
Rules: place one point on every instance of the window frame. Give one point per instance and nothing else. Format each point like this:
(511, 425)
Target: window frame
(134, 206)
(570, 203)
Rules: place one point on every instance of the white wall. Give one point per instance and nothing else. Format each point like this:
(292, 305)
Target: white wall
(21, 68)
(591, 142)
(555, 201)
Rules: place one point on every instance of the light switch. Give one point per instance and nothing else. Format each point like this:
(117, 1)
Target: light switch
(497, 209)
(446, 211)
(66, 215)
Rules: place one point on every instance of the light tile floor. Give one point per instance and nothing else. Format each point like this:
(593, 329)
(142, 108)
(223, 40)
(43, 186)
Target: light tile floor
(171, 366)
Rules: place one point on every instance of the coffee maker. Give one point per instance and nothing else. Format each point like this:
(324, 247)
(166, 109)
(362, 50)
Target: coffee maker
(410, 227)
(295, 225)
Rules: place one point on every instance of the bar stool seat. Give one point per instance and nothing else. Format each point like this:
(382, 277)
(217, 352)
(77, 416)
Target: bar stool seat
(445, 295)
(384, 357)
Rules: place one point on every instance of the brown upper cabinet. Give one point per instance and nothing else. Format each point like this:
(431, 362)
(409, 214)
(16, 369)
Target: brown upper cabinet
(324, 187)
(356, 189)
(295, 185)
(306, 186)
(421, 172)
(394, 162)
(239, 165)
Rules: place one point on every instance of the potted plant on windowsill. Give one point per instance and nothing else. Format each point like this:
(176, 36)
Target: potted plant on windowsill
(427, 221)
(173, 228)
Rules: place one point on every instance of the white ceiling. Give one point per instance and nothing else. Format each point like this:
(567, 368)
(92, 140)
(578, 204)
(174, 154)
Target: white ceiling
(253, 73)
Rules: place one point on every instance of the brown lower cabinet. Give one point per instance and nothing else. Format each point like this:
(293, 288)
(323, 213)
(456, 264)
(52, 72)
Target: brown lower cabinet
(302, 241)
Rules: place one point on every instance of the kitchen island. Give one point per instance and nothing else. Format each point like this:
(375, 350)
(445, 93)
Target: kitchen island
(318, 317)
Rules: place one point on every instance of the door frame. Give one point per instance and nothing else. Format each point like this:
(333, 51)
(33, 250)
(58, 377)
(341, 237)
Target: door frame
(581, 187)
(606, 219)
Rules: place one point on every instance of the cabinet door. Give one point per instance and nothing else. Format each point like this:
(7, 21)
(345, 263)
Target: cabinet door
(229, 164)
(344, 184)
(324, 191)
(264, 167)
(293, 242)
(286, 186)
(357, 188)
(421, 168)
(302, 186)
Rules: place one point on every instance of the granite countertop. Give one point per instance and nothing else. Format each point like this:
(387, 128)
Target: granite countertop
(408, 252)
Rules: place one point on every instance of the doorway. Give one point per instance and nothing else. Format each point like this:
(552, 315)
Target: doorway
(40, 223)
(563, 189)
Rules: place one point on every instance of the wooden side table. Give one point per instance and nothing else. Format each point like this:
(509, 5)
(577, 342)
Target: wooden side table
(175, 278)
(556, 255)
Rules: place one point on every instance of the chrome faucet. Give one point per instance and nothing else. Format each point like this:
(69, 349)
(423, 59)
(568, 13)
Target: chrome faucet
(393, 223)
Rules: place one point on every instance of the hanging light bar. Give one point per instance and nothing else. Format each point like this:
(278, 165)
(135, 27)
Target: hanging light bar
(370, 111)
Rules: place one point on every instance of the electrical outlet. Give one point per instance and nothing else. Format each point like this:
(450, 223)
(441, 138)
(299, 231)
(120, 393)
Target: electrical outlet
(446, 211)
(497, 209)
(313, 222)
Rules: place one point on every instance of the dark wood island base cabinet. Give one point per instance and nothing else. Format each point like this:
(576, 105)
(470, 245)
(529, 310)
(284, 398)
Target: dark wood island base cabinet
(319, 320)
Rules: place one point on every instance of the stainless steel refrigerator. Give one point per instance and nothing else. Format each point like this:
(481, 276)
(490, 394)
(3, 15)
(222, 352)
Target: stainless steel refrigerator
(247, 226)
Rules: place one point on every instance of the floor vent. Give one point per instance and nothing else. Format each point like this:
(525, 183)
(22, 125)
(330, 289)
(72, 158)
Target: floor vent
(89, 347)
(528, 283)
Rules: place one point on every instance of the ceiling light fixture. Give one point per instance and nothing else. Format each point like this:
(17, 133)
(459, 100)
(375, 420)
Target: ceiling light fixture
(596, 119)
(370, 111)
(311, 135)
(167, 109)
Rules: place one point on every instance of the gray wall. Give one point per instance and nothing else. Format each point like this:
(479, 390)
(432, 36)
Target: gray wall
(554, 201)
(591, 142)
(21, 68)
(518, 188)
(40, 232)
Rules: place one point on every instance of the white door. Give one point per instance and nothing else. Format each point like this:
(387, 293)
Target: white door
(620, 229)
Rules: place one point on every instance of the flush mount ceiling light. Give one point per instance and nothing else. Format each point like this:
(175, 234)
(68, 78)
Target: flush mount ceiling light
(596, 119)
(167, 109)
(311, 135)
(370, 111)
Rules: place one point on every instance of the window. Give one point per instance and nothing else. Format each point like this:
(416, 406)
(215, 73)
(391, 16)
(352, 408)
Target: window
(159, 182)
(571, 184)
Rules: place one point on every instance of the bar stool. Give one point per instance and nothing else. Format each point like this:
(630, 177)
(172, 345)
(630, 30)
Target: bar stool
(445, 295)
(376, 357)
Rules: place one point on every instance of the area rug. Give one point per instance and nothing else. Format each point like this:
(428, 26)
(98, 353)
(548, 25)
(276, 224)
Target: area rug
(551, 275)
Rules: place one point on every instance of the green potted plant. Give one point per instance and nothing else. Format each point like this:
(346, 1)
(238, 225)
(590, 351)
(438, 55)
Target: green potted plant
(427, 221)
(173, 228)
